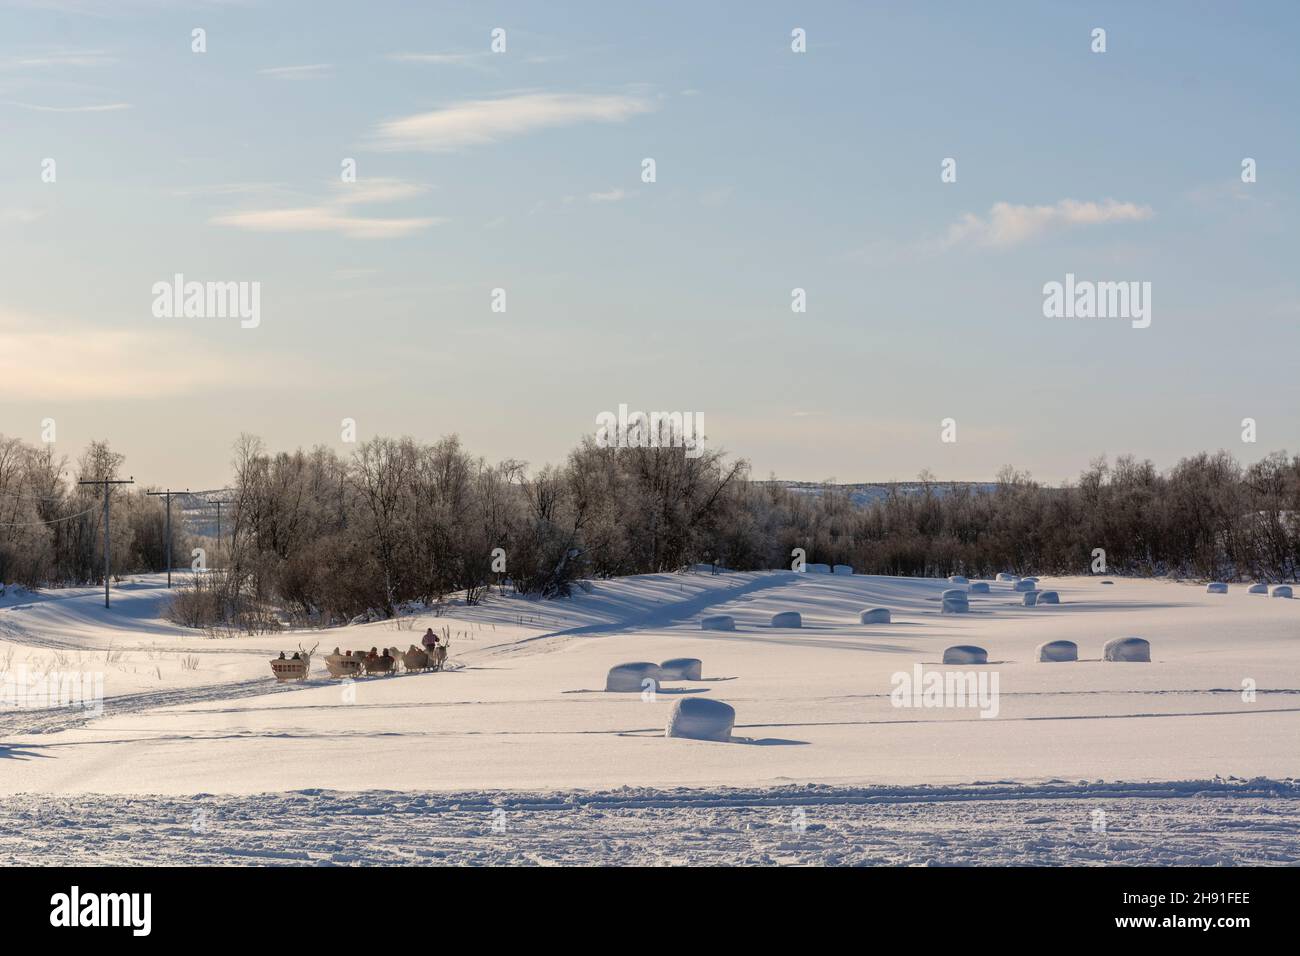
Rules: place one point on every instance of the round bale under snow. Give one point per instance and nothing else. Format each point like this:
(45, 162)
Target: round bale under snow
(1127, 649)
(699, 718)
(1058, 651)
(955, 601)
(965, 654)
(874, 615)
(979, 587)
(1007, 578)
(957, 579)
(681, 668)
(818, 568)
(1282, 590)
(1025, 584)
(632, 677)
(1257, 589)
(1216, 587)
(1029, 599)
(718, 622)
(842, 569)
(787, 619)
(1048, 597)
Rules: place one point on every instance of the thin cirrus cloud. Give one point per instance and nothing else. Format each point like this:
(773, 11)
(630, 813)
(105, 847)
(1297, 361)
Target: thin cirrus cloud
(478, 122)
(308, 71)
(336, 214)
(95, 108)
(1008, 224)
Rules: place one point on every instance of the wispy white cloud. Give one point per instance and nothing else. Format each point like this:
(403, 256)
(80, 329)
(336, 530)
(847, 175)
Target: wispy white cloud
(57, 58)
(1008, 224)
(308, 71)
(439, 59)
(96, 108)
(612, 195)
(477, 122)
(335, 214)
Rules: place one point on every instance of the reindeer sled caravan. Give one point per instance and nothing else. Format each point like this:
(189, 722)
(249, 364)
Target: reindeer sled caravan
(351, 664)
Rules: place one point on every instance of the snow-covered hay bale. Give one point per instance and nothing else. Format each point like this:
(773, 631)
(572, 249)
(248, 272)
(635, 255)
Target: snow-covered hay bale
(955, 601)
(1058, 652)
(1257, 589)
(875, 615)
(957, 579)
(718, 622)
(681, 668)
(1029, 599)
(1048, 597)
(1127, 649)
(1282, 590)
(965, 654)
(979, 587)
(819, 569)
(1007, 578)
(787, 619)
(1216, 587)
(699, 718)
(633, 677)
(842, 569)
(1025, 584)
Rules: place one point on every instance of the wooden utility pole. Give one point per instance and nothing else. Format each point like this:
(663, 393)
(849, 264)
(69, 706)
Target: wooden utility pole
(168, 495)
(106, 482)
(218, 503)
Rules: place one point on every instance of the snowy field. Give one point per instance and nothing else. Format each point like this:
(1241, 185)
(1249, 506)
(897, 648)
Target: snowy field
(517, 754)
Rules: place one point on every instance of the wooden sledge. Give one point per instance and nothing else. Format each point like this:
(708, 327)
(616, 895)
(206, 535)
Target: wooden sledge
(344, 665)
(290, 669)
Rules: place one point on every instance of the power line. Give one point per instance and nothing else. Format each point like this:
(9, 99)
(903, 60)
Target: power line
(107, 511)
(28, 524)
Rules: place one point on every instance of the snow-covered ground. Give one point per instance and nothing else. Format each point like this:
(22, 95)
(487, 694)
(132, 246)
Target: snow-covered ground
(520, 724)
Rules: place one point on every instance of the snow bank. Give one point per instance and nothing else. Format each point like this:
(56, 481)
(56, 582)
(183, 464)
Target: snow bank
(1257, 589)
(874, 615)
(965, 654)
(681, 668)
(699, 718)
(1030, 599)
(718, 622)
(787, 619)
(1127, 649)
(842, 569)
(1025, 584)
(1058, 651)
(955, 601)
(818, 569)
(979, 587)
(1216, 587)
(1282, 590)
(1048, 597)
(631, 677)
(957, 579)
(1007, 578)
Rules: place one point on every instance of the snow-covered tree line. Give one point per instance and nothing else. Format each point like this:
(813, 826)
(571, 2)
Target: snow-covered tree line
(320, 536)
(51, 528)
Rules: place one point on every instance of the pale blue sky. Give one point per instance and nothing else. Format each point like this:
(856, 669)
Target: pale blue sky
(775, 170)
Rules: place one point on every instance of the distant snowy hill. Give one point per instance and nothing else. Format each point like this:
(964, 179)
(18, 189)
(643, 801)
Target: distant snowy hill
(865, 493)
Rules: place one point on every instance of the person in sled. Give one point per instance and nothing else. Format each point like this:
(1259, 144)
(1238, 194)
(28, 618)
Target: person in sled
(430, 640)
